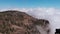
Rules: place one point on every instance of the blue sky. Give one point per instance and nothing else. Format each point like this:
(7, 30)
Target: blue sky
(29, 3)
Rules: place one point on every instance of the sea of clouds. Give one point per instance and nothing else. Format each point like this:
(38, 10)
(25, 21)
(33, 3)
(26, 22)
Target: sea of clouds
(51, 14)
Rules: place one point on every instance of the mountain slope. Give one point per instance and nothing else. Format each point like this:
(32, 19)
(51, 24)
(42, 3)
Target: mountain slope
(16, 22)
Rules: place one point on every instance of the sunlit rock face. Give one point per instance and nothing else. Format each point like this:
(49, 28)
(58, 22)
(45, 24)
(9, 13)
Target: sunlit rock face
(16, 22)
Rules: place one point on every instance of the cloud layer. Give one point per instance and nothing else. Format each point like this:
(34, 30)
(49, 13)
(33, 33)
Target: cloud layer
(51, 14)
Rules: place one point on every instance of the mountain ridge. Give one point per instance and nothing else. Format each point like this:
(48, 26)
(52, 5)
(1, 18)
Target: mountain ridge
(16, 22)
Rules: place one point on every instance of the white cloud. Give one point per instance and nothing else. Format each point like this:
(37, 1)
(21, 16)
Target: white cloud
(51, 14)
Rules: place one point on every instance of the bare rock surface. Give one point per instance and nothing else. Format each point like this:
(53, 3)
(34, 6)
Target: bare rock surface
(16, 22)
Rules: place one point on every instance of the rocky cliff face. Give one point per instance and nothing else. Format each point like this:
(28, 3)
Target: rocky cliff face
(16, 22)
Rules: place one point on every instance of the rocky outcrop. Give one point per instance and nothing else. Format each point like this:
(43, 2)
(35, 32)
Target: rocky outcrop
(16, 22)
